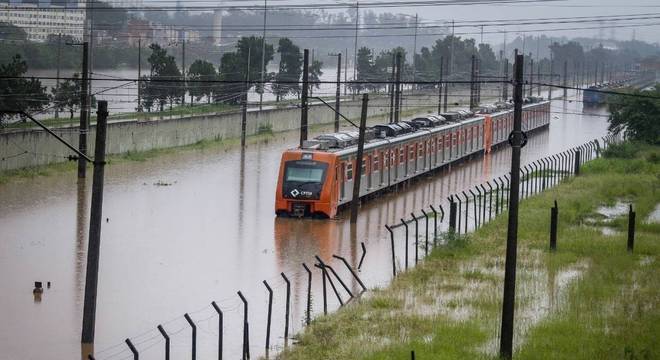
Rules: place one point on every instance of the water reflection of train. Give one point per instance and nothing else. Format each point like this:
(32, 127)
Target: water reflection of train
(317, 179)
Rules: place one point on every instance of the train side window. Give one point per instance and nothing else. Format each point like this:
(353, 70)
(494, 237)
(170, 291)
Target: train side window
(420, 149)
(412, 152)
(364, 166)
(375, 162)
(402, 155)
(349, 171)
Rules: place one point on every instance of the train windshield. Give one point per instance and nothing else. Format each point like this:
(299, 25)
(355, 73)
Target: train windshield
(305, 171)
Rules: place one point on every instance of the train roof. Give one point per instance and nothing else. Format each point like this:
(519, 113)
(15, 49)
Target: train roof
(345, 142)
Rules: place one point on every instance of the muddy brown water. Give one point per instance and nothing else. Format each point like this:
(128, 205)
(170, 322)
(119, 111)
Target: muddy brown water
(187, 228)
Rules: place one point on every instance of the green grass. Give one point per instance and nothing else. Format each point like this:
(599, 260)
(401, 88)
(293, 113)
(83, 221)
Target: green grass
(590, 299)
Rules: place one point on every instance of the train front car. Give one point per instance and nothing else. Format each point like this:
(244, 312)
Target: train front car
(305, 184)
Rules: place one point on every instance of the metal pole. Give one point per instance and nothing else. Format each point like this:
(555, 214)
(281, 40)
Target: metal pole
(139, 88)
(355, 46)
(95, 221)
(338, 93)
(269, 315)
(220, 328)
(392, 91)
(303, 99)
(263, 56)
(508, 305)
(444, 102)
(246, 332)
(84, 108)
(358, 162)
(167, 342)
(194, 335)
(406, 245)
(57, 80)
(397, 88)
(308, 310)
(287, 308)
(245, 100)
(553, 227)
(131, 347)
(440, 85)
(183, 69)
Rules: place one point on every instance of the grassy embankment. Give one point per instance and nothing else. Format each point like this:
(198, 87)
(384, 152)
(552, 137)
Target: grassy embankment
(591, 299)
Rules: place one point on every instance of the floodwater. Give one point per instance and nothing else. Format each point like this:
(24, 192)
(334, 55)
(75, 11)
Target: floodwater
(184, 229)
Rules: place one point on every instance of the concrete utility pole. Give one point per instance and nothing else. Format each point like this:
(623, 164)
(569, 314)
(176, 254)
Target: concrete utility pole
(355, 202)
(338, 93)
(263, 57)
(444, 105)
(531, 74)
(303, 98)
(414, 64)
(93, 248)
(355, 46)
(552, 76)
(565, 78)
(183, 69)
(246, 88)
(505, 93)
(538, 78)
(440, 85)
(509, 298)
(139, 88)
(84, 108)
(346, 73)
(57, 80)
(392, 88)
(397, 89)
(472, 83)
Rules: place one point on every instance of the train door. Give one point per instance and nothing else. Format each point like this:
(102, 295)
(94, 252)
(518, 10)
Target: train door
(342, 180)
(384, 156)
(369, 169)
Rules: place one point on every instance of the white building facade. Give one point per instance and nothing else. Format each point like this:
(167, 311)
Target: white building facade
(39, 22)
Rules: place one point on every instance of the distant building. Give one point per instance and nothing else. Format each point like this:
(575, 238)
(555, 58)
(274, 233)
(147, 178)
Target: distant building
(131, 4)
(150, 32)
(40, 21)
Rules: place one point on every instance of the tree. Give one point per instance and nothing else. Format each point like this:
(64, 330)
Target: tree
(291, 61)
(252, 46)
(204, 71)
(637, 117)
(18, 93)
(67, 95)
(315, 72)
(165, 82)
(10, 32)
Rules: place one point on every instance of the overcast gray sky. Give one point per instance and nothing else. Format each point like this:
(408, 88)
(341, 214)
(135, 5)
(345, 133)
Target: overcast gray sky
(540, 9)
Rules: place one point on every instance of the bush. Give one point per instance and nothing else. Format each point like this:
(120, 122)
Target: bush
(626, 150)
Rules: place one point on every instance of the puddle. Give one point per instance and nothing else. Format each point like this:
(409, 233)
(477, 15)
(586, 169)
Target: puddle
(540, 292)
(654, 216)
(609, 231)
(609, 213)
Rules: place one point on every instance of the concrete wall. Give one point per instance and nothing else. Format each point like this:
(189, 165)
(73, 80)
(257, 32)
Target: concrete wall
(26, 148)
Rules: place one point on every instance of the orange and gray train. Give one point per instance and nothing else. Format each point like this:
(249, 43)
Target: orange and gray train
(316, 180)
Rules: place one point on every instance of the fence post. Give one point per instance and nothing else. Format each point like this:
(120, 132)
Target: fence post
(416, 236)
(452, 215)
(576, 167)
(460, 203)
(194, 335)
(405, 225)
(364, 253)
(392, 246)
(323, 266)
(597, 148)
(474, 200)
(483, 208)
(467, 209)
(348, 266)
(308, 310)
(508, 186)
(269, 315)
(554, 212)
(478, 217)
(246, 328)
(497, 195)
(435, 225)
(631, 229)
(136, 355)
(526, 180)
(546, 164)
(490, 200)
(167, 341)
(288, 307)
(220, 328)
(426, 233)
